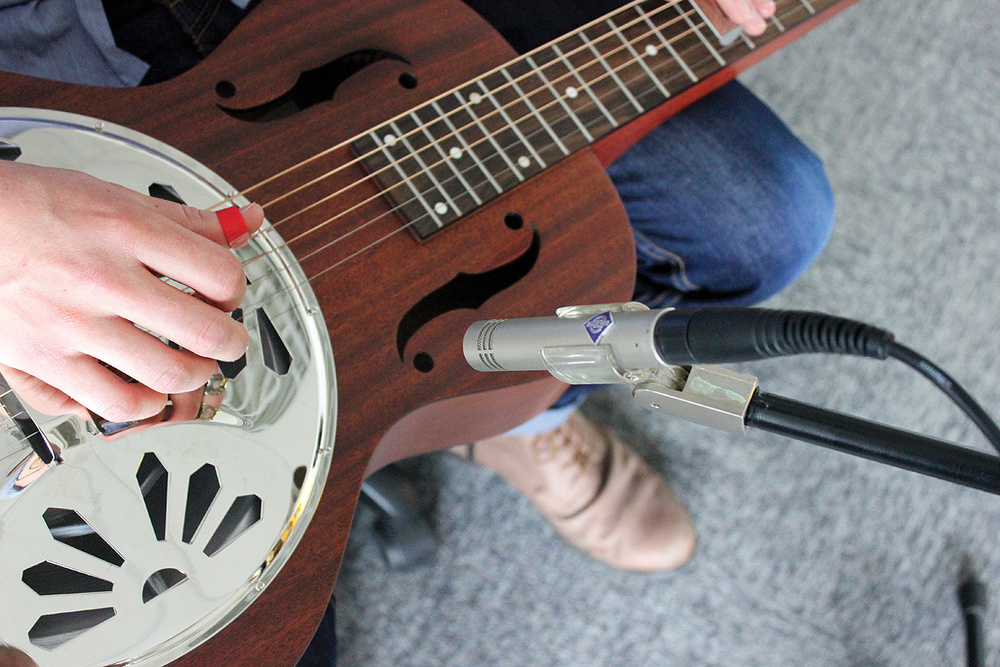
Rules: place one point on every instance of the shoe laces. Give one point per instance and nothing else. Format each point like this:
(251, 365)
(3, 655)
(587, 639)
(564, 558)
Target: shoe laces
(565, 445)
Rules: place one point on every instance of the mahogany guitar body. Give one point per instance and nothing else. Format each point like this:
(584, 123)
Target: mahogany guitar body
(367, 274)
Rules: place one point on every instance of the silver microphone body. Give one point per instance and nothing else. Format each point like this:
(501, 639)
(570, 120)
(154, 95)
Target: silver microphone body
(517, 344)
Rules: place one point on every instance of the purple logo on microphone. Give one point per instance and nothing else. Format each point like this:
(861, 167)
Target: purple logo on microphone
(597, 325)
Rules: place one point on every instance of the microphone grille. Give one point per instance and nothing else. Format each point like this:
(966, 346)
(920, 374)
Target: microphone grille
(484, 345)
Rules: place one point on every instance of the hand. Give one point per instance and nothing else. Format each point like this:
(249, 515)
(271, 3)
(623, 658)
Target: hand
(751, 14)
(80, 261)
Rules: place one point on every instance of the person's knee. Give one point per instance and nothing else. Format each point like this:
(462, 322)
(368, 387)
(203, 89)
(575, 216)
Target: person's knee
(727, 204)
(794, 220)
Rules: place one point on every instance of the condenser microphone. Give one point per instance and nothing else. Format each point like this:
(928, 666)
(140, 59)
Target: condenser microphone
(630, 344)
(518, 344)
(641, 339)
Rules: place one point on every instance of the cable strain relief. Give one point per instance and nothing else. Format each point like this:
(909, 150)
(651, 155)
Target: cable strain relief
(725, 335)
(797, 332)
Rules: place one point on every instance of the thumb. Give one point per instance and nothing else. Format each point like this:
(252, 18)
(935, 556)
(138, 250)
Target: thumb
(230, 228)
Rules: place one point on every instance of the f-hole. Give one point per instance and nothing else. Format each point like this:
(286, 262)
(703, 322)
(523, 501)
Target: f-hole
(464, 291)
(312, 86)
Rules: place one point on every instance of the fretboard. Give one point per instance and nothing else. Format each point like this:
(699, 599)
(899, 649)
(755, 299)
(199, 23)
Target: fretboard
(450, 156)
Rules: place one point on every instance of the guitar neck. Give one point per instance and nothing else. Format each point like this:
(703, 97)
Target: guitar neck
(468, 146)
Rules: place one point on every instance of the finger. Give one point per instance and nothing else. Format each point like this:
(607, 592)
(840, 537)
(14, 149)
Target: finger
(745, 13)
(39, 395)
(754, 23)
(196, 262)
(182, 319)
(206, 223)
(186, 406)
(737, 10)
(765, 8)
(144, 358)
(100, 390)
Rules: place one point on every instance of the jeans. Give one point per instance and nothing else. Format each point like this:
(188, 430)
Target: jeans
(727, 206)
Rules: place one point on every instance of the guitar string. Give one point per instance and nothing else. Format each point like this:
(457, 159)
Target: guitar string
(491, 136)
(347, 142)
(487, 137)
(588, 104)
(414, 157)
(477, 123)
(309, 279)
(784, 15)
(572, 72)
(428, 170)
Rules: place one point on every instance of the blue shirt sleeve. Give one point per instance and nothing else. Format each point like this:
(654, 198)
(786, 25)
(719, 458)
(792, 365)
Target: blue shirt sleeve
(65, 40)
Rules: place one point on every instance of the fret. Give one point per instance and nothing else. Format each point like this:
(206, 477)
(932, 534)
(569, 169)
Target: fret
(577, 100)
(449, 158)
(559, 97)
(777, 23)
(715, 54)
(476, 136)
(516, 88)
(416, 182)
(674, 25)
(480, 145)
(541, 96)
(611, 75)
(666, 44)
(473, 98)
(638, 60)
(798, 12)
(403, 194)
(641, 82)
(653, 41)
(463, 154)
(585, 86)
(529, 165)
(408, 162)
(438, 193)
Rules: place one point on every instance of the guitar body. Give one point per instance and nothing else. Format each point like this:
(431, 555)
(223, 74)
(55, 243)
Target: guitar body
(400, 391)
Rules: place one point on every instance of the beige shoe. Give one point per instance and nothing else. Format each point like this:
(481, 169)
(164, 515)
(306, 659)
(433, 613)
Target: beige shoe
(598, 494)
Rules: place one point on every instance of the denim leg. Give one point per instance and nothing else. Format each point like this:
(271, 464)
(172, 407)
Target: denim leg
(727, 206)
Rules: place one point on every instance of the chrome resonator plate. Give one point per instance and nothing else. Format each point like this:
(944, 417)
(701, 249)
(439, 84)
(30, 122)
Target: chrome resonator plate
(134, 551)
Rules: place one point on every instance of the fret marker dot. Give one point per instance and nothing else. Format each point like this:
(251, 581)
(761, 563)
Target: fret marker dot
(389, 140)
(455, 152)
(475, 98)
(440, 208)
(523, 162)
(572, 92)
(650, 50)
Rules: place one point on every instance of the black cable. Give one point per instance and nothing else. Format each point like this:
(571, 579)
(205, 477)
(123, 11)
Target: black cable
(726, 335)
(951, 388)
(972, 598)
(877, 442)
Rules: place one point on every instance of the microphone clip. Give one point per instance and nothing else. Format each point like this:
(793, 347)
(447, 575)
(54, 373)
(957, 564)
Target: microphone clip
(707, 395)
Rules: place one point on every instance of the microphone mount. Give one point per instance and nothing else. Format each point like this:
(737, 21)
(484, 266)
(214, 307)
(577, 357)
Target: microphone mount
(656, 354)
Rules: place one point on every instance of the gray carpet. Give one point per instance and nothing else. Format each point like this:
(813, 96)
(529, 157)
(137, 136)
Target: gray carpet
(806, 556)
